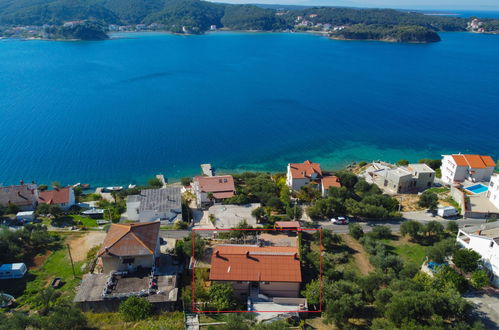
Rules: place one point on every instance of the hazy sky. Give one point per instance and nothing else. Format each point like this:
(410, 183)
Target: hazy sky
(409, 4)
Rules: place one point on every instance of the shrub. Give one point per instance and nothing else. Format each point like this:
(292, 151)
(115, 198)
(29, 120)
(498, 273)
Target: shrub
(411, 228)
(466, 260)
(185, 181)
(135, 309)
(381, 232)
(355, 230)
(480, 279)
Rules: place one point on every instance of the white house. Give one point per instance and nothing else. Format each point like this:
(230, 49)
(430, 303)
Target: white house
(458, 168)
(62, 197)
(25, 216)
(493, 192)
(485, 243)
(301, 174)
(163, 204)
(217, 187)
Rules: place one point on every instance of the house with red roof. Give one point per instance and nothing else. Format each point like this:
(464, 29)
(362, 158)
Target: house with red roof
(62, 197)
(130, 245)
(270, 270)
(457, 168)
(301, 174)
(210, 189)
(329, 181)
(23, 196)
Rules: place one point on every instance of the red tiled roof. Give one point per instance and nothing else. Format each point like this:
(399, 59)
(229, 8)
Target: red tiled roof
(222, 185)
(305, 169)
(331, 181)
(131, 239)
(21, 195)
(287, 224)
(252, 263)
(55, 196)
(474, 161)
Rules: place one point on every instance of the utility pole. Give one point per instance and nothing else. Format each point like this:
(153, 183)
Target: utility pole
(71, 258)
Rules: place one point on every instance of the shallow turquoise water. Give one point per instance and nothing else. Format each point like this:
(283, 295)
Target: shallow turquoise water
(119, 111)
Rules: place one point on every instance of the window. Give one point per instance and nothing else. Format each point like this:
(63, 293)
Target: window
(128, 260)
(239, 282)
(266, 283)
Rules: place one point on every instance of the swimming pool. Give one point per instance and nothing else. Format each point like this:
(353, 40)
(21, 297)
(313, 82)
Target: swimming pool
(477, 189)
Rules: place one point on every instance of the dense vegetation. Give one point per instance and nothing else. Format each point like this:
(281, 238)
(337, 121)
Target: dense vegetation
(396, 295)
(356, 197)
(402, 33)
(197, 16)
(85, 31)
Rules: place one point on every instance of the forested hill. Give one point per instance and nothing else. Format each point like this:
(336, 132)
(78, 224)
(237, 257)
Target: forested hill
(197, 16)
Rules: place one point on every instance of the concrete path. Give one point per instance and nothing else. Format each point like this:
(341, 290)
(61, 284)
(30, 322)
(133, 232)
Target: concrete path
(487, 308)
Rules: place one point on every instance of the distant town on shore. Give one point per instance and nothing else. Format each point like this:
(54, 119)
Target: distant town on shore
(93, 20)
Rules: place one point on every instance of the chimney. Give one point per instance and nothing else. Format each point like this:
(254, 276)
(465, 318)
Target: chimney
(247, 254)
(217, 253)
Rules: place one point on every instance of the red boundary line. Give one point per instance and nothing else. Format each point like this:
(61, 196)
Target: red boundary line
(260, 229)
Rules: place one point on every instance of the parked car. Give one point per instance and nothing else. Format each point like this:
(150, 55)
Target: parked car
(339, 221)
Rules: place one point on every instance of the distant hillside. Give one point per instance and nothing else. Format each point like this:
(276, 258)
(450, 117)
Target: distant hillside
(196, 16)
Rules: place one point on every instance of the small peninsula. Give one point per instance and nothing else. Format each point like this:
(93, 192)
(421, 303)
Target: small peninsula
(407, 34)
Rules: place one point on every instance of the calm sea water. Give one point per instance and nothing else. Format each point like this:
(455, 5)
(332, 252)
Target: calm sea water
(119, 111)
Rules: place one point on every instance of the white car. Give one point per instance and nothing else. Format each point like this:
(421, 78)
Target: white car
(339, 221)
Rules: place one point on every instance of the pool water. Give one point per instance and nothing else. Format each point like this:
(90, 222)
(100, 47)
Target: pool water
(477, 189)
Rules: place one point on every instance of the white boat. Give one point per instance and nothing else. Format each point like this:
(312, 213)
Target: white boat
(117, 188)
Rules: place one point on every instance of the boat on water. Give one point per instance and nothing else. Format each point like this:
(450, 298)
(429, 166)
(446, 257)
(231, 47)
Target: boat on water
(82, 185)
(131, 186)
(111, 189)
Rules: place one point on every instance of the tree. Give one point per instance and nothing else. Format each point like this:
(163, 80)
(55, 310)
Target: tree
(312, 293)
(294, 212)
(221, 296)
(434, 228)
(155, 183)
(411, 228)
(467, 260)
(480, 279)
(447, 276)
(199, 245)
(135, 309)
(55, 210)
(441, 250)
(259, 213)
(64, 316)
(428, 200)
(355, 230)
(453, 227)
(47, 297)
(56, 184)
(186, 181)
(42, 209)
(402, 162)
(42, 187)
(433, 163)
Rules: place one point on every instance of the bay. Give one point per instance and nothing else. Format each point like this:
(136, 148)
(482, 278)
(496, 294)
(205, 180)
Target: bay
(120, 111)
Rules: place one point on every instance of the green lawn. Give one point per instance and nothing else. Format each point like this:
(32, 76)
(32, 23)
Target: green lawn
(111, 321)
(438, 190)
(410, 252)
(56, 265)
(87, 222)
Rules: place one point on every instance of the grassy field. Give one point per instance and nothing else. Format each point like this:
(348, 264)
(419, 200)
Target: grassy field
(113, 321)
(56, 264)
(408, 251)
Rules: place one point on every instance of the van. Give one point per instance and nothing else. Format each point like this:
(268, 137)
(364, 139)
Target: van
(447, 211)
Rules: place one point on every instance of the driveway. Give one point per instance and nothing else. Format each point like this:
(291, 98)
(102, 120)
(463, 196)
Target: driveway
(487, 308)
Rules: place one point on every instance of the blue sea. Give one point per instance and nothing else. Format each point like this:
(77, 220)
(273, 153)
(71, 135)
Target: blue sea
(120, 111)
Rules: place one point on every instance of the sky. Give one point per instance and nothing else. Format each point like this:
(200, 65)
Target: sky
(402, 4)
